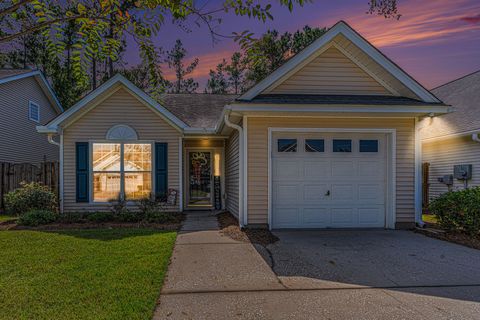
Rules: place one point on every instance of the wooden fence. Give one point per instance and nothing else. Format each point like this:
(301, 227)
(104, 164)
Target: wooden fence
(12, 174)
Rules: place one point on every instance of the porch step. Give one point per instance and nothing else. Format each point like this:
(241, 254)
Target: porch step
(200, 221)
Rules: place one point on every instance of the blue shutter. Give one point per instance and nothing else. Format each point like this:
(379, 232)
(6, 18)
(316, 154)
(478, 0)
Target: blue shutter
(161, 169)
(82, 171)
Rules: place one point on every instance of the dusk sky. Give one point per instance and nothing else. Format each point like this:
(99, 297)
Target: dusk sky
(434, 40)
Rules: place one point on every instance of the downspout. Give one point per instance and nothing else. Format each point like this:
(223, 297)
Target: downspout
(60, 187)
(418, 169)
(240, 169)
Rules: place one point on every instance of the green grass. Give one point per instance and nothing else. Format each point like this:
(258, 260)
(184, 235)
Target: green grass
(82, 274)
(429, 218)
(5, 218)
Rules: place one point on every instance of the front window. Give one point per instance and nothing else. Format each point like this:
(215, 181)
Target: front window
(121, 169)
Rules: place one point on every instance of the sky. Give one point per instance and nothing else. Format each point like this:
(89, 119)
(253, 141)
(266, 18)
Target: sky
(435, 41)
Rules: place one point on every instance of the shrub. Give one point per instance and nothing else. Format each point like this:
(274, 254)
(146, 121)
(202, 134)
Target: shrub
(36, 217)
(100, 216)
(129, 216)
(28, 197)
(147, 204)
(458, 210)
(161, 217)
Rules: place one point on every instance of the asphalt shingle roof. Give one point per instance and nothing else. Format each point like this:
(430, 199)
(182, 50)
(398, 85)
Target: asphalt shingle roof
(198, 110)
(464, 96)
(335, 99)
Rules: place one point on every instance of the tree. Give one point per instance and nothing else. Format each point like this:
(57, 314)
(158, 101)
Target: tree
(271, 50)
(142, 77)
(175, 60)
(236, 73)
(217, 83)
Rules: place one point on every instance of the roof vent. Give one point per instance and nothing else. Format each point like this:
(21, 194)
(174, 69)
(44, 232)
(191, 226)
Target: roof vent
(121, 132)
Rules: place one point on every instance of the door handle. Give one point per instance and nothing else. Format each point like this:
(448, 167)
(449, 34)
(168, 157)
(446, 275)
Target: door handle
(327, 193)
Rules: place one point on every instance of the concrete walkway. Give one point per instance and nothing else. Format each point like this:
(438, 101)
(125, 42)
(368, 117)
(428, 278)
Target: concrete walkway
(205, 262)
(214, 277)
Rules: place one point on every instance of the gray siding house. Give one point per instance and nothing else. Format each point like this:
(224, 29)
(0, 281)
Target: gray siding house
(453, 139)
(26, 101)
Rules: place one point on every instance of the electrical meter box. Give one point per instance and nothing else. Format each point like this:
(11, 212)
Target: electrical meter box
(462, 171)
(447, 179)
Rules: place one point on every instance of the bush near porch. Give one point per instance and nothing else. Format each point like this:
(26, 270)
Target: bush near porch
(82, 274)
(458, 211)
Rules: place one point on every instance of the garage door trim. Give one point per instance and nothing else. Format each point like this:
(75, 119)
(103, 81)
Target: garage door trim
(391, 164)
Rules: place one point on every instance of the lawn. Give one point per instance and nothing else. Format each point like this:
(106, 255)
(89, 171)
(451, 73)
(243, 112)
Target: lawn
(82, 274)
(5, 218)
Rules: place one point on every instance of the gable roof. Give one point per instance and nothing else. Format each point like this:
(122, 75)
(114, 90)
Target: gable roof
(115, 81)
(342, 29)
(464, 96)
(8, 75)
(197, 110)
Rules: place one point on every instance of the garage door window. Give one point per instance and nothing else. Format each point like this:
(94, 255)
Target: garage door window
(368, 145)
(287, 145)
(314, 145)
(340, 145)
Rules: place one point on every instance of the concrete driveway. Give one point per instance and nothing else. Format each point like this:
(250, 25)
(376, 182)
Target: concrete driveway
(321, 275)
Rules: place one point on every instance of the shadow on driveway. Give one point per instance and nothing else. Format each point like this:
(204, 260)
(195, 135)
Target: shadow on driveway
(400, 261)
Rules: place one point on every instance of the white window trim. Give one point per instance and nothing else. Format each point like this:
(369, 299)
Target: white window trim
(30, 105)
(122, 182)
(391, 149)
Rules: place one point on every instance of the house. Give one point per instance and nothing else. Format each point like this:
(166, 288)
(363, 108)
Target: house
(452, 140)
(328, 140)
(26, 102)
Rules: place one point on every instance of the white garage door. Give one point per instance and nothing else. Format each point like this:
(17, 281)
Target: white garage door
(331, 180)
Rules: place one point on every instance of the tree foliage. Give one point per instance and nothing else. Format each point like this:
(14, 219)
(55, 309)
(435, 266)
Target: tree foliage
(176, 61)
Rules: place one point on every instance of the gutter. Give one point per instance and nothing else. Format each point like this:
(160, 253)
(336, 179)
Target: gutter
(241, 151)
(60, 187)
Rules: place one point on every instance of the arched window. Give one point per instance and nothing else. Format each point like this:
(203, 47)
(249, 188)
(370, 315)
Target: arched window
(121, 132)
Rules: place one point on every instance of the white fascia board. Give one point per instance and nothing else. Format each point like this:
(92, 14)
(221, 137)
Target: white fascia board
(341, 28)
(413, 109)
(46, 86)
(191, 130)
(118, 78)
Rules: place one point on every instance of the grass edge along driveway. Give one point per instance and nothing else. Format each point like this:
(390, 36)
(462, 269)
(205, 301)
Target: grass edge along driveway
(82, 274)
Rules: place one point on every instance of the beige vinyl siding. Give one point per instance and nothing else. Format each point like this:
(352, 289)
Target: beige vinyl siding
(20, 141)
(120, 108)
(367, 62)
(232, 173)
(444, 154)
(258, 159)
(330, 73)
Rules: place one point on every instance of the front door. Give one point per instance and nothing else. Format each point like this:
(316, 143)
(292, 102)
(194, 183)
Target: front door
(200, 178)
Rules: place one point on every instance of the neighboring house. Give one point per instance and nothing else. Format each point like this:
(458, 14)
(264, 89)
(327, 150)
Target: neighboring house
(26, 101)
(328, 140)
(453, 139)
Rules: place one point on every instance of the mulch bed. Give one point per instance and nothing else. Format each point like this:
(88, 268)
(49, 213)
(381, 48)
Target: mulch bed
(229, 226)
(455, 237)
(171, 226)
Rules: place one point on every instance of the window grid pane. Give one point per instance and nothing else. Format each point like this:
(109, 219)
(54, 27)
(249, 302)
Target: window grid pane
(315, 145)
(106, 186)
(106, 157)
(137, 185)
(342, 145)
(368, 145)
(287, 145)
(137, 157)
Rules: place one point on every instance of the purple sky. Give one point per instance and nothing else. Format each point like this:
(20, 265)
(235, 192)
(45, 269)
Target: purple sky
(435, 41)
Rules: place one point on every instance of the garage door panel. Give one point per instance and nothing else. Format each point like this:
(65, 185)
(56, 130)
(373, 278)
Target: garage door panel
(314, 192)
(342, 192)
(316, 169)
(371, 216)
(316, 216)
(343, 168)
(343, 217)
(371, 168)
(286, 194)
(286, 217)
(372, 193)
(287, 170)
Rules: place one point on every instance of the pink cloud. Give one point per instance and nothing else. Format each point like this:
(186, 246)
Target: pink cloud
(472, 19)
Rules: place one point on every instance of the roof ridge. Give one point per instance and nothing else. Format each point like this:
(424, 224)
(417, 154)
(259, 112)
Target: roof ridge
(457, 79)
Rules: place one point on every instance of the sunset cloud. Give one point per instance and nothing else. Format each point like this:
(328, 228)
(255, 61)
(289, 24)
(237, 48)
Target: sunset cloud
(421, 23)
(472, 19)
